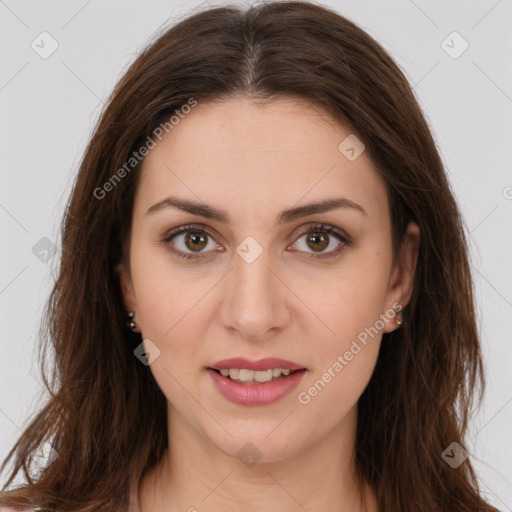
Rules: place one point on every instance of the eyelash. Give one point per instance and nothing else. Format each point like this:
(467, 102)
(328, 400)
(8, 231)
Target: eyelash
(312, 228)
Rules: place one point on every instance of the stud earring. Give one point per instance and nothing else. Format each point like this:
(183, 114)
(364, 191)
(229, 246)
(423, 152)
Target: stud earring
(399, 321)
(131, 324)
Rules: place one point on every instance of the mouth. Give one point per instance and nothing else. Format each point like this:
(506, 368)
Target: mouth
(255, 378)
(263, 383)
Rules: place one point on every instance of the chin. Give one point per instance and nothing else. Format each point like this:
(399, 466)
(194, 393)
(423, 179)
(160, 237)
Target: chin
(260, 447)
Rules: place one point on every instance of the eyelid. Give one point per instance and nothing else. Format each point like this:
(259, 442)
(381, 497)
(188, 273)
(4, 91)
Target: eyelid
(322, 226)
(344, 239)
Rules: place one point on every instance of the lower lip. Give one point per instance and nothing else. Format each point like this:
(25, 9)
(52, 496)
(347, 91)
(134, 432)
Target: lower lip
(256, 394)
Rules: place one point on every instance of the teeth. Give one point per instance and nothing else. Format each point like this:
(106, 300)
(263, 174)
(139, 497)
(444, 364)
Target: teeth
(242, 375)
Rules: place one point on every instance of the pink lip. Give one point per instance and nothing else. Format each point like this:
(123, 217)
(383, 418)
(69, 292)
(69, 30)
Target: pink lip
(261, 364)
(256, 394)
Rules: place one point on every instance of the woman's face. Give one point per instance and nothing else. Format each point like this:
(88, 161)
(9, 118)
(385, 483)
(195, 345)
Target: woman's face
(260, 283)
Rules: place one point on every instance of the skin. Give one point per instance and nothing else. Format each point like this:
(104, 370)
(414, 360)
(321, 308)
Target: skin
(254, 161)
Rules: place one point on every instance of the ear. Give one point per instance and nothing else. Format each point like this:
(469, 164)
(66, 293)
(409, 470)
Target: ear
(127, 292)
(402, 276)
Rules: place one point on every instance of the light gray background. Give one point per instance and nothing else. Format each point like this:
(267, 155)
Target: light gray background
(48, 108)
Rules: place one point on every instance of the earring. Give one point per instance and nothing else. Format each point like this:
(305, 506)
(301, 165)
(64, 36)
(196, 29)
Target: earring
(399, 320)
(131, 323)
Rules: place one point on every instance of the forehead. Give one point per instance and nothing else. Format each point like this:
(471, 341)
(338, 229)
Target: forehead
(243, 154)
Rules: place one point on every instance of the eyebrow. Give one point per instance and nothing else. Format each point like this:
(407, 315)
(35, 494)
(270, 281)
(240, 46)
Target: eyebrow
(209, 212)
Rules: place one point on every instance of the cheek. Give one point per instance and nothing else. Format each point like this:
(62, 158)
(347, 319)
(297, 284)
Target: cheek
(170, 302)
(346, 358)
(351, 306)
(338, 385)
(354, 298)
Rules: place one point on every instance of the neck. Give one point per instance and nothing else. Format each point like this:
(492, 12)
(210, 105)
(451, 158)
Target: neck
(195, 475)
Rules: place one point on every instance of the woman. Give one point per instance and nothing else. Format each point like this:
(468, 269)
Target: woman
(263, 204)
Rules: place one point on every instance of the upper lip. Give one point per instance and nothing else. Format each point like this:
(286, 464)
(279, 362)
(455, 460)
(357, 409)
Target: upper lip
(260, 364)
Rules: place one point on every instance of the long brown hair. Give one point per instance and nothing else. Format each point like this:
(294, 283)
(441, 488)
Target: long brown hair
(106, 416)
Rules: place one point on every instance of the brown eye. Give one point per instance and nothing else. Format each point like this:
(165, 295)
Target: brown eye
(322, 241)
(317, 241)
(195, 241)
(189, 242)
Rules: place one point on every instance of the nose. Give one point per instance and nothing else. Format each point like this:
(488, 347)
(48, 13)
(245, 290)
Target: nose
(255, 299)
